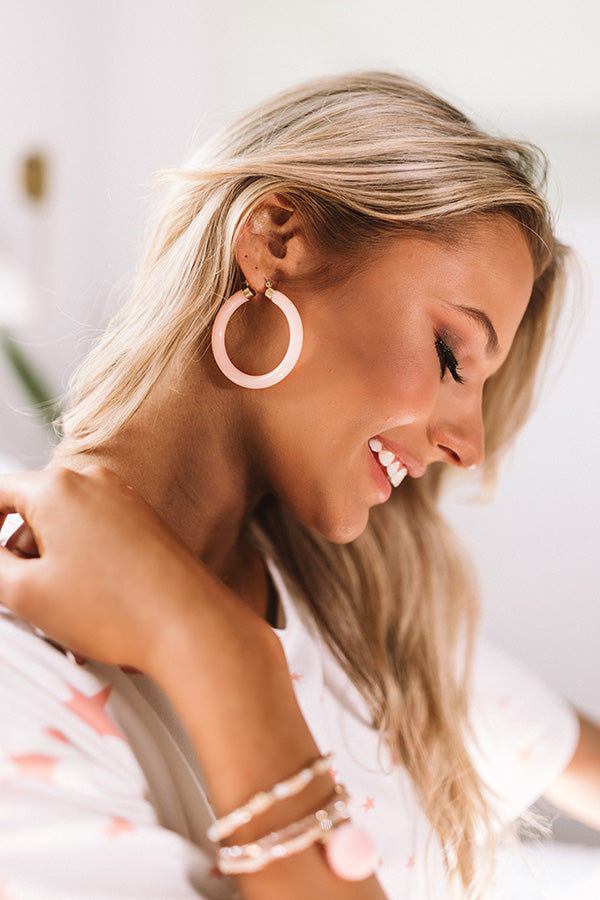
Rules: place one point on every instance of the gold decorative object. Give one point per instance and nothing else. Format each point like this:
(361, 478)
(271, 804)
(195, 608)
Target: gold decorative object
(35, 176)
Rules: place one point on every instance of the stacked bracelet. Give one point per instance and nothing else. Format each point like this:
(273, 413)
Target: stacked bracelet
(349, 851)
(263, 800)
(252, 857)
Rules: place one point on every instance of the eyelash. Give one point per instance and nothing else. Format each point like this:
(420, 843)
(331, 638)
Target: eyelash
(448, 361)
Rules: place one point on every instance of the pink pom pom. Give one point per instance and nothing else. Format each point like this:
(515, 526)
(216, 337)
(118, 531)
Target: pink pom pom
(350, 853)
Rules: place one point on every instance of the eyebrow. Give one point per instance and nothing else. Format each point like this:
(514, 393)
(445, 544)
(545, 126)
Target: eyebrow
(485, 322)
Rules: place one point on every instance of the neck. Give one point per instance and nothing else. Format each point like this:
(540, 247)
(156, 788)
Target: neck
(184, 452)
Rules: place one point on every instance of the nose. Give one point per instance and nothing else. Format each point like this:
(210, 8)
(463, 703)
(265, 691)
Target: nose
(456, 434)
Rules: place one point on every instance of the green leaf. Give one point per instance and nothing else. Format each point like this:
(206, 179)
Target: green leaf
(31, 381)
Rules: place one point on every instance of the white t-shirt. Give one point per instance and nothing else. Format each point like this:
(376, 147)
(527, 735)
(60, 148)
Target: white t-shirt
(101, 797)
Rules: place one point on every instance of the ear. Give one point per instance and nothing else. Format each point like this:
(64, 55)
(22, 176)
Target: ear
(271, 245)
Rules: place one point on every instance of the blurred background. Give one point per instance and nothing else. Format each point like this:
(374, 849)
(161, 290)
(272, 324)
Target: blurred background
(96, 97)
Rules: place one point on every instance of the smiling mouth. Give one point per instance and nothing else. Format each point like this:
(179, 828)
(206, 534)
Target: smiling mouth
(395, 471)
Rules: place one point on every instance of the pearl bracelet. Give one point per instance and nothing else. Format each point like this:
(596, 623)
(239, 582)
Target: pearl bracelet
(263, 800)
(294, 838)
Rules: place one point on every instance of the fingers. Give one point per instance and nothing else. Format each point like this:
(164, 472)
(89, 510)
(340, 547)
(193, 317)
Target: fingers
(18, 491)
(34, 496)
(24, 492)
(17, 496)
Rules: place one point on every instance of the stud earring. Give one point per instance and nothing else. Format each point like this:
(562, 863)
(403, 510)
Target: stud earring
(293, 351)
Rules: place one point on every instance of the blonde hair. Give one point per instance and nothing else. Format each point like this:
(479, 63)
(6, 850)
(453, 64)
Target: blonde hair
(360, 157)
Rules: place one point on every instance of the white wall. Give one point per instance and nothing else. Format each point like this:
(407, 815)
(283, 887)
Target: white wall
(116, 90)
(533, 58)
(111, 93)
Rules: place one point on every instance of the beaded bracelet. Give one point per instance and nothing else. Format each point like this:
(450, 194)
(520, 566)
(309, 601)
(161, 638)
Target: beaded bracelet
(263, 800)
(294, 838)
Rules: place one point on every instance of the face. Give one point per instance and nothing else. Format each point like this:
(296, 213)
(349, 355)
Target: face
(392, 373)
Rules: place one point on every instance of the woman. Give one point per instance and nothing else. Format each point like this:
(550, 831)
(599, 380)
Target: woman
(392, 271)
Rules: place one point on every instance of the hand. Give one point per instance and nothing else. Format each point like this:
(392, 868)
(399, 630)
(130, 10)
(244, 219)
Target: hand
(110, 575)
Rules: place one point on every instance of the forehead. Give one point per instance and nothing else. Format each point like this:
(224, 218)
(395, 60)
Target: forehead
(494, 239)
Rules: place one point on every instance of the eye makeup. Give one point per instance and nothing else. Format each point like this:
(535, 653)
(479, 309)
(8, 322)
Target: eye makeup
(448, 361)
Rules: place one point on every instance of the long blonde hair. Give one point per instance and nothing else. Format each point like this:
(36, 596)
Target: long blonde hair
(359, 156)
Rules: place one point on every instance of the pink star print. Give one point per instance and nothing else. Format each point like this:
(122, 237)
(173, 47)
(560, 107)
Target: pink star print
(57, 735)
(35, 765)
(369, 804)
(410, 864)
(92, 711)
(296, 676)
(525, 754)
(119, 826)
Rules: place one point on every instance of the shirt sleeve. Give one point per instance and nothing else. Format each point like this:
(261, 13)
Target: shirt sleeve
(76, 819)
(525, 734)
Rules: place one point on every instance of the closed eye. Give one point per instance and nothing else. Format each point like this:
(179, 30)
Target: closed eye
(448, 361)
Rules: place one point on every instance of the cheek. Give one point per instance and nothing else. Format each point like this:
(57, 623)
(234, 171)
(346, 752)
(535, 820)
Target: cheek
(383, 374)
(406, 380)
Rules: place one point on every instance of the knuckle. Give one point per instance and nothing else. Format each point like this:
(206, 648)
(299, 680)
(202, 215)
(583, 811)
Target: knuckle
(95, 471)
(101, 474)
(62, 480)
(65, 476)
(109, 480)
(109, 477)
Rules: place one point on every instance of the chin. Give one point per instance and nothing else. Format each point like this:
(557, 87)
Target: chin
(337, 525)
(343, 531)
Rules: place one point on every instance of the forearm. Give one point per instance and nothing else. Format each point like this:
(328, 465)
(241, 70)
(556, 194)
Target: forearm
(249, 733)
(577, 790)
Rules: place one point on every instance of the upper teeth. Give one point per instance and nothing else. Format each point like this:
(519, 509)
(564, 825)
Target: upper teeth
(395, 471)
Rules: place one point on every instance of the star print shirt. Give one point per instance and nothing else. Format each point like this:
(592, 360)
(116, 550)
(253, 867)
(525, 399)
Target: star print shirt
(101, 796)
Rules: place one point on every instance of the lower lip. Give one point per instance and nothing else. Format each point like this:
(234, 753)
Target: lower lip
(380, 478)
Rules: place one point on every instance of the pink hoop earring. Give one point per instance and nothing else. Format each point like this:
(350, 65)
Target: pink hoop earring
(292, 353)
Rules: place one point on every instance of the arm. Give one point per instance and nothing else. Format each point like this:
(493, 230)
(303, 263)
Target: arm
(92, 533)
(577, 791)
(257, 736)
